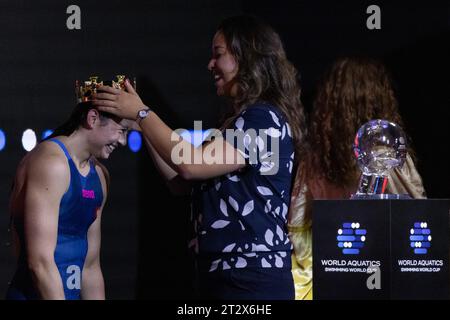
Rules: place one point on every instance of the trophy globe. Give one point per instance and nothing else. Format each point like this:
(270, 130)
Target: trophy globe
(379, 147)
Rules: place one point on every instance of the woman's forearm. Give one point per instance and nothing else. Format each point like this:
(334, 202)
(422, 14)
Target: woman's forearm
(174, 182)
(160, 137)
(164, 169)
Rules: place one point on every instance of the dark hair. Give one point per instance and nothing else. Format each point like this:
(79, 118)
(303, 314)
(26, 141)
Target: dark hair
(265, 74)
(353, 92)
(78, 118)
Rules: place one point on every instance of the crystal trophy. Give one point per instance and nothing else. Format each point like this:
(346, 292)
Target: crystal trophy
(379, 147)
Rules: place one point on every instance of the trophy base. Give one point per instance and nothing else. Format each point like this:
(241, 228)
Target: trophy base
(382, 196)
(372, 184)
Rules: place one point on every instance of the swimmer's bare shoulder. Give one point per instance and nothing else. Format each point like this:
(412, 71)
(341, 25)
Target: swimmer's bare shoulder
(46, 164)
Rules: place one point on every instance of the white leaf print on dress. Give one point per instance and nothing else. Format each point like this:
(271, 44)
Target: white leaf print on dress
(241, 263)
(267, 207)
(242, 226)
(260, 143)
(248, 208)
(278, 262)
(233, 203)
(288, 127)
(266, 155)
(223, 207)
(264, 191)
(218, 184)
(229, 247)
(275, 118)
(228, 263)
(219, 224)
(275, 259)
(272, 132)
(274, 240)
(277, 210)
(265, 264)
(259, 247)
(243, 154)
(266, 166)
(240, 123)
(269, 237)
(285, 211)
(214, 265)
(233, 178)
(290, 164)
(283, 132)
(280, 233)
(247, 141)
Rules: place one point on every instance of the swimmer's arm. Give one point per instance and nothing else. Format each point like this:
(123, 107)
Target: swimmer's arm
(174, 182)
(46, 182)
(92, 283)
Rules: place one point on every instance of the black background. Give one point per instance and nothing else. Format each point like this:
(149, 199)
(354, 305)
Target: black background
(166, 45)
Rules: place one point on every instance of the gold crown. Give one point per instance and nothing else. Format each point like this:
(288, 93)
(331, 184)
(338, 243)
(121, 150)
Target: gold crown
(84, 92)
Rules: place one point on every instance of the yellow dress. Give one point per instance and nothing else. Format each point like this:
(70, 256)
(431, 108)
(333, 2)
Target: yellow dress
(300, 233)
(401, 181)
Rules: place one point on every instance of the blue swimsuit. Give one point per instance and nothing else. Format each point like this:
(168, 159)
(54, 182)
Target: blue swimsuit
(77, 211)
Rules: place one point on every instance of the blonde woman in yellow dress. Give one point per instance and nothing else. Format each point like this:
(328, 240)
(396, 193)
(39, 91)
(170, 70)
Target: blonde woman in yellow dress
(354, 91)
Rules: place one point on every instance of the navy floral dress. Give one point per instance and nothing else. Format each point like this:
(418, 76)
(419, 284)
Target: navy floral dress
(240, 218)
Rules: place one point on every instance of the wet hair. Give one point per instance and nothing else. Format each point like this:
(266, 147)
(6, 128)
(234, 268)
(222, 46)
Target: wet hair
(264, 74)
(353, 92)
(78, 119)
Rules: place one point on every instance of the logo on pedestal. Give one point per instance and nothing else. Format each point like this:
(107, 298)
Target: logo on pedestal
(351, 238)
(420, 237)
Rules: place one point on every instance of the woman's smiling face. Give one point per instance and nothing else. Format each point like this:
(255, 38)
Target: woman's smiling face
(223, 66)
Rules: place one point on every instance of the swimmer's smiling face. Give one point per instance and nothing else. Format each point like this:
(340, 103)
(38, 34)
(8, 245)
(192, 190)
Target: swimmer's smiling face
(107, 134)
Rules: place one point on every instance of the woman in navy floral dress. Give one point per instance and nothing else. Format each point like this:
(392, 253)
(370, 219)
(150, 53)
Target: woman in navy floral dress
(243, 182)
